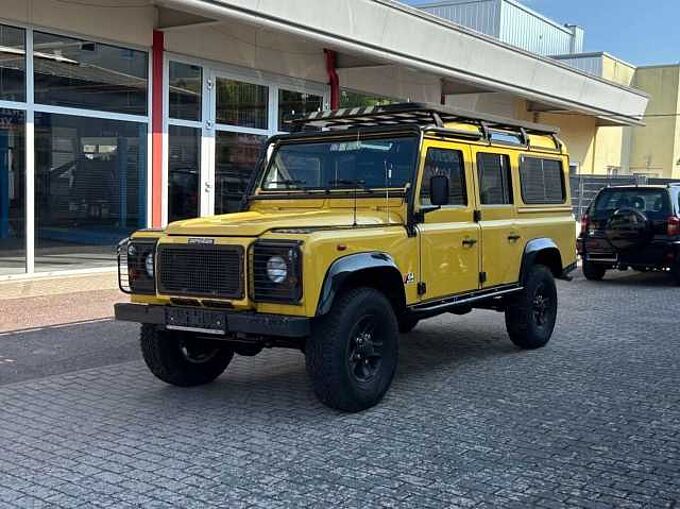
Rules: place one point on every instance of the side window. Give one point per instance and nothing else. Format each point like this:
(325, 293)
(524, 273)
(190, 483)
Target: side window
(447, 162)
(542, 181)
(495, 179)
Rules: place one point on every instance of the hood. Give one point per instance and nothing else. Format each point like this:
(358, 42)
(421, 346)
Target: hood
(256, 223)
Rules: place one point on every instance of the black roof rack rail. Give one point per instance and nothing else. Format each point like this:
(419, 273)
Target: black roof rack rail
(411, 113)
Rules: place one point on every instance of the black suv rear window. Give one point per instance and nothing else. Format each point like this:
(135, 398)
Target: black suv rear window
(653, 202)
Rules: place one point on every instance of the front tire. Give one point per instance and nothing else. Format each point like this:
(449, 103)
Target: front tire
(352, 354)
(180, 359)
(530, 317)
(593, 272)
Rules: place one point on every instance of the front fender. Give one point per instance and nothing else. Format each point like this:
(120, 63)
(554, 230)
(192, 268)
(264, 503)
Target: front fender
(342, 268)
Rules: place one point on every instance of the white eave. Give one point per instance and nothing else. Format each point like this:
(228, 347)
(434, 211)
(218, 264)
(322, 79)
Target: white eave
(391, 32)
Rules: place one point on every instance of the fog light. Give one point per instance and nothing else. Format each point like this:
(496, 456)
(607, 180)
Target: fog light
(277, 269)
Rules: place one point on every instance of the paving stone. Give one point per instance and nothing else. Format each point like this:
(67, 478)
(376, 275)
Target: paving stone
(592, 420)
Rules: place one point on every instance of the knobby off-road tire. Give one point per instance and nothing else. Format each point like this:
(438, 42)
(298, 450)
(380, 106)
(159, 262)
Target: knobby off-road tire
(593, 272)
(352, 354)
(531, 315)
(179, 359)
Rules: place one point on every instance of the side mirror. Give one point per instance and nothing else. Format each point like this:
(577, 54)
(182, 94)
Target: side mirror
(439, 190)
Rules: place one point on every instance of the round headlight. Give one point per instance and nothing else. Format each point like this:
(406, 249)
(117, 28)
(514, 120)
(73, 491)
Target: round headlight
(132, 250)
(148, 264)
(277, 269)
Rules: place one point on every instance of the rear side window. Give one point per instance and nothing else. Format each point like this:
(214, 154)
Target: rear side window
(495, 179)
(542, 181)
(447, 162)
(653, 202)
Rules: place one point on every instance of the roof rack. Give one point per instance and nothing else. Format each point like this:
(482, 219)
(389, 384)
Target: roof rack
(421, 114)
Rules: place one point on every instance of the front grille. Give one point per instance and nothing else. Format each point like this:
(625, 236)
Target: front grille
(201, 271)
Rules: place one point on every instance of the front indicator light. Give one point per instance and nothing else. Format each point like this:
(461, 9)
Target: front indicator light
(277, 269)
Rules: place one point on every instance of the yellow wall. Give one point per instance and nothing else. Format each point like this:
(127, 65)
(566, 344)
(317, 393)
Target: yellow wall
(655, 148)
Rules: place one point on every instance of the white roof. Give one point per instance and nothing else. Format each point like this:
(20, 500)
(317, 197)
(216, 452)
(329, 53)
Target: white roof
(392, 32)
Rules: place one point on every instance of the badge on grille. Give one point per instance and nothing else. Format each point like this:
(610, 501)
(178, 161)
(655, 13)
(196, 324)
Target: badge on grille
(201, 241)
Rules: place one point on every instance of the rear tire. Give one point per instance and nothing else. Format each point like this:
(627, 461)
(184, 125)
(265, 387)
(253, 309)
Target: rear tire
(180, 359)
(530, 317)
(352, 354)
(593, 272)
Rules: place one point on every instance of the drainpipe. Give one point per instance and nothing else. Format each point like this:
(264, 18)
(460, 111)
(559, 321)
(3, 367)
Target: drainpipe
(333, 79)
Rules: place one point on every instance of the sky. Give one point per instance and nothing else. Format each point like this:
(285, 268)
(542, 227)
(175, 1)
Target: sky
(638, 31)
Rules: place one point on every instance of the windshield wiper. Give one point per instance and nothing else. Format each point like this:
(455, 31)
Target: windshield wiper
(352, 184)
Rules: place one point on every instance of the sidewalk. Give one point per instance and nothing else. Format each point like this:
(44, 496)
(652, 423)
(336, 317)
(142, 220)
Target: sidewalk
(34, 303)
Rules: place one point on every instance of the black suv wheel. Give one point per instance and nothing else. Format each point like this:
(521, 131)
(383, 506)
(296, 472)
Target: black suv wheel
(593, 271)
(180, 359)
(352, 354)
(531, 315)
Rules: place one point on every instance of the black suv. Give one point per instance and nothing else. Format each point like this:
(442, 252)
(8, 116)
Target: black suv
(635, 227)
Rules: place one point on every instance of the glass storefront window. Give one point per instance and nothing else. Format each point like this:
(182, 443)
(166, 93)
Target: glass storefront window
(186, 86)
(12, 193)
(296, 103)
(90, 188)
(236, 157)
(350, 99)
(184, 172)
(242, 104)
(12, 64)
(85, 74)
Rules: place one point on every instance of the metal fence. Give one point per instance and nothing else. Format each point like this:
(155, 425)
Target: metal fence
(585, 187)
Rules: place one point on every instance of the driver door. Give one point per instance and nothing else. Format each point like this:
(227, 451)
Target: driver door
(449, 238)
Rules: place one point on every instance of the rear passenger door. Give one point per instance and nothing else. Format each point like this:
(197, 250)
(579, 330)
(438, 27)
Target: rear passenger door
(502, 245)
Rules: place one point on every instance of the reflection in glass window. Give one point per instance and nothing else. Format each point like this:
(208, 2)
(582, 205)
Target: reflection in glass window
(542, 180)
(85, 74)
(495, 179)
(242, 104)
(90, 188)
(12, 64)
(186, 86)
(449, 163)
(292, 104)
(184, 171)
(350, 99)
(377, 163)
(236, 158)
(12, 193)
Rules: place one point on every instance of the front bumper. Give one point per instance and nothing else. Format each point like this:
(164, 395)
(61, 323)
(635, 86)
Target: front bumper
(254, 324)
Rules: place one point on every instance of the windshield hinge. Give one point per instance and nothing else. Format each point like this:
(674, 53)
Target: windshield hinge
(477, 216)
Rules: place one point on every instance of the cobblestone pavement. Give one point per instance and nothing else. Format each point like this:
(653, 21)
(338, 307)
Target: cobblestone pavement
(590, 421)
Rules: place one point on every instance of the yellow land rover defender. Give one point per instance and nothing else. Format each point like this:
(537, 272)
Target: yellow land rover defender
(355, 227)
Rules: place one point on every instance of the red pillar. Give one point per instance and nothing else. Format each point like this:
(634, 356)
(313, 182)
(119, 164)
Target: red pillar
(333, 79)
(157, 129)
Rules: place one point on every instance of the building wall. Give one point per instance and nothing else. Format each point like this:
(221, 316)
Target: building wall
(655, 148)
(128, 25)
(513, 23)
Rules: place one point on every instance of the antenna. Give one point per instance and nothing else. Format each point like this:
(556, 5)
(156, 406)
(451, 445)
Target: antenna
(388, 180)
(356, 180)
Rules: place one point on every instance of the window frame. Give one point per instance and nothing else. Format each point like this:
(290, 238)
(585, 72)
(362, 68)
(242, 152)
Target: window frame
(541, 158)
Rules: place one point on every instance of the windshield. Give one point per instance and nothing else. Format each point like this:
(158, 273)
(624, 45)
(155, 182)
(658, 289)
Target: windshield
(376, 163)
(653, 202)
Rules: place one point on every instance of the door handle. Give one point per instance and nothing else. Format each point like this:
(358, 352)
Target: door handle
(514, 237)
(469, 242)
